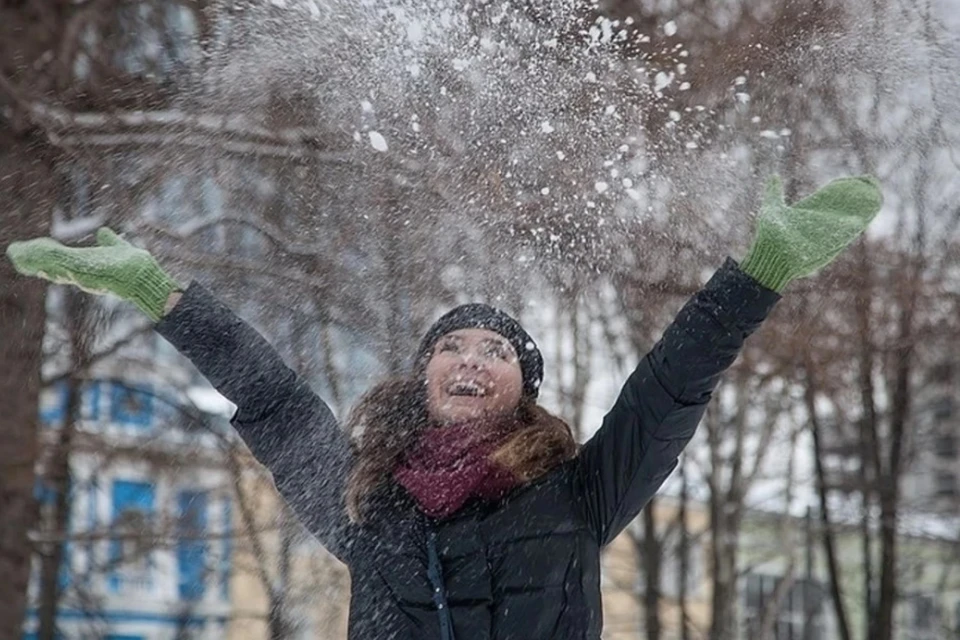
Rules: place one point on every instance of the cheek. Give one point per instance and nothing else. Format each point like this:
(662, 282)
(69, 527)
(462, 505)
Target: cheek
(434, 370)
(433, 373)
(510, 383)
(433, 398)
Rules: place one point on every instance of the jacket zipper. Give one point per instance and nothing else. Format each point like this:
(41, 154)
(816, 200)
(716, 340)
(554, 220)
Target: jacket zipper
(435, 573)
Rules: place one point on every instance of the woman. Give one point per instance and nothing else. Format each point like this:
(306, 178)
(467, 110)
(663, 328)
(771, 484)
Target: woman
(465, 510)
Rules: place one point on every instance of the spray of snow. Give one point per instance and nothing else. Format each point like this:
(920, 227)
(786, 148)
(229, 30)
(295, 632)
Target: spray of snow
(462, 90)
(377, 141)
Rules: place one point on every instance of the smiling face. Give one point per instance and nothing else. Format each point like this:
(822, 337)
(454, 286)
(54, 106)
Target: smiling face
(472, 374)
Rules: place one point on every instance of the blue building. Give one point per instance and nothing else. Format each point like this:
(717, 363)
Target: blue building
(148, 546)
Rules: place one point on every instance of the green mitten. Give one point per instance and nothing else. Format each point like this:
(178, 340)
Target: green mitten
(114, 266)
(796, 241)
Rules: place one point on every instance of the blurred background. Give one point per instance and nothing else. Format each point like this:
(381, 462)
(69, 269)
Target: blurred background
(341, 171)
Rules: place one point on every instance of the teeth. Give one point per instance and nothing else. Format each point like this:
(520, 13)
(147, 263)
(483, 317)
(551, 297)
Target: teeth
(466, 389)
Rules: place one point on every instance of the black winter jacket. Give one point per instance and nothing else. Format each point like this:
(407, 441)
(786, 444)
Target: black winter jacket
(525, 568)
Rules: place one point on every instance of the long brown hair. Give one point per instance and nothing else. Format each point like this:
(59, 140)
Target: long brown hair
(389, 419)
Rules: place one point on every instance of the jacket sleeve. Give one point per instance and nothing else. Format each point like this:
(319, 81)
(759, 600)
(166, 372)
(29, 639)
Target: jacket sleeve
(620, 468)
(286, 426)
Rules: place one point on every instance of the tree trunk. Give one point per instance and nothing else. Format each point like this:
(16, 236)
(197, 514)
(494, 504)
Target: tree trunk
(280, 627)
(683, 550)
(726, 504)
(580, 362)
(724, 533)
(887, 595)
(26, 200)
(771, 612)
(826, 534)
(652, 564)
(870, 466)
(889, 487)
(53, 553)
(58, 475)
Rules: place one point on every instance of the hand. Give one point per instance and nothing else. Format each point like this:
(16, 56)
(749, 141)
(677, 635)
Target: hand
(796, 241)
(113, 266)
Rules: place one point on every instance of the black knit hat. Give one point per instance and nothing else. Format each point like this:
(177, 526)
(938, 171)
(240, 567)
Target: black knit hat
(482, 316)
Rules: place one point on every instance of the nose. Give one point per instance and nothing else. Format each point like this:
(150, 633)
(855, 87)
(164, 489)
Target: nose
(472, 360)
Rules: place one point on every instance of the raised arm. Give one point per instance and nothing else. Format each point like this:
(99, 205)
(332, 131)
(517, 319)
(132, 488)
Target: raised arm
(285, 425)
(621, 467)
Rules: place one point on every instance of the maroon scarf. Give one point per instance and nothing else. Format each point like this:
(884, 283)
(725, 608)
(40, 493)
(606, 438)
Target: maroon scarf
(451, 464)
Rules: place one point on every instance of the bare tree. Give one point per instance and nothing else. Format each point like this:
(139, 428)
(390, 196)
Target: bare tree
(749, 418)
(827, 533)
(26, 199)
(57, 476)
(47, 57)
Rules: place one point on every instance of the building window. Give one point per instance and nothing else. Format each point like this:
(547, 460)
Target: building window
(131, 546)
(801, 612)
(226, 550)
(45, 495)
(945, 484)
(93, 520)
(922, 619)
(947, 446)
(670, 571)
(943, 372)
(943, 408)
(53, 403)
(924, 612)
(131, 405)
(191, 544)
(54, 399)
(251, 244)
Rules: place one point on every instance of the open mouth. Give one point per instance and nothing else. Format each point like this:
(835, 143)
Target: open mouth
(466, 389)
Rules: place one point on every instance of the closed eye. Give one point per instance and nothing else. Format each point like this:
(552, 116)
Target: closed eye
(448, 345)
(498, 352)
(497, 349)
